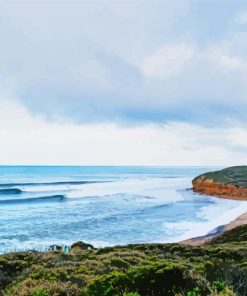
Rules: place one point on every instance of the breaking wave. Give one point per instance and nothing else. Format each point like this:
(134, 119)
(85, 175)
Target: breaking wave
(58, 197)
(11, 191)
(49, 183)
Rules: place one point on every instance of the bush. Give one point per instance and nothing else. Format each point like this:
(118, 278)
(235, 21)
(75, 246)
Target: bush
(44, 288)
(159, 278)
(194, 292)
(40, 292)
(119, 262)
(219, 286)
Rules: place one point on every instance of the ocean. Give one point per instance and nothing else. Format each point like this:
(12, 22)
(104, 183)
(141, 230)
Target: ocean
(104, 206)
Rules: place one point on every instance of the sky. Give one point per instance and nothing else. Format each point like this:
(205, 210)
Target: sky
(123, 82)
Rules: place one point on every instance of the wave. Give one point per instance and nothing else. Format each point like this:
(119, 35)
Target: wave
(51, 183)
(58, 197)
(11, 191)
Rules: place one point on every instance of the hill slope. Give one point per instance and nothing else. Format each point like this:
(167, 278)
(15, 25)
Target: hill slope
(229, 183)
(143, 269)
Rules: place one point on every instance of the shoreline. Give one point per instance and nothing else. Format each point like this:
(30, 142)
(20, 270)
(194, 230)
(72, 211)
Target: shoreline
(194, 241)
(200, 240)
(222, 196)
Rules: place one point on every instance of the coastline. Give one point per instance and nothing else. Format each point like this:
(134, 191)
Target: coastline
(200, 240)
(229, 183)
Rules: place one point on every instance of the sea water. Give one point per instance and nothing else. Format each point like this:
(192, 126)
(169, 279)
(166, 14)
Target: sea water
(104, 206)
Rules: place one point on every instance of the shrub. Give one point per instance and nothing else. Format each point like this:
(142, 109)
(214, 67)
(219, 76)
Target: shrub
(219, 286)
(44, 288)
(195, 292)
(40, 292)
(108, 285)
(119, 262)
(159, 278)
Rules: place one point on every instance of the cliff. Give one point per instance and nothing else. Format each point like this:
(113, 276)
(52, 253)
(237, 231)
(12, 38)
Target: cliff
(227, 183)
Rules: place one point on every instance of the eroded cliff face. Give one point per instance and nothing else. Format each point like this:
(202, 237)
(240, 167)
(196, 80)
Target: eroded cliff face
(227, 183)
(221, 190)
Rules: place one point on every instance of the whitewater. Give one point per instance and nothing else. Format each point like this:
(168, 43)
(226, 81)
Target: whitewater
(105, 206)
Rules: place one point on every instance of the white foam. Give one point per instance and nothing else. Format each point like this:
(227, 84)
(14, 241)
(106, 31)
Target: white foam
(219, 216)
(156, 188)
(46, 188)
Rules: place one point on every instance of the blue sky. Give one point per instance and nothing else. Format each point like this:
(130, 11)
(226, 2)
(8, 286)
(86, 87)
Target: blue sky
(175, 70)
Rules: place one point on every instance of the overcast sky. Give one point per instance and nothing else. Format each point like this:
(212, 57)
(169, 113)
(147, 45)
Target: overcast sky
(123, 82)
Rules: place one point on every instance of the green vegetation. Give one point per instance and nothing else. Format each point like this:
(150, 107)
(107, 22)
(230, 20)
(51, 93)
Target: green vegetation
(233, 175)
(239, 234)
(218, 268)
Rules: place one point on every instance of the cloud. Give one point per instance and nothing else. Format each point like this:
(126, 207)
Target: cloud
(241, 17)
(168, 61)
(26, 139)
(123, 62)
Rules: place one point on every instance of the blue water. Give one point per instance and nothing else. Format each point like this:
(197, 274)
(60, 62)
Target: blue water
(104, 206)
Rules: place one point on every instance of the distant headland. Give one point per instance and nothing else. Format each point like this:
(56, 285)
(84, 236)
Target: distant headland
(227, 183)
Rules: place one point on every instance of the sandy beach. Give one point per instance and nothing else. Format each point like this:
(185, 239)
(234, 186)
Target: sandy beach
(198, 241)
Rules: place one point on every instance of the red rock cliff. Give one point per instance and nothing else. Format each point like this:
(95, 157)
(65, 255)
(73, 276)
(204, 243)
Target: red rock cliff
(227, 183)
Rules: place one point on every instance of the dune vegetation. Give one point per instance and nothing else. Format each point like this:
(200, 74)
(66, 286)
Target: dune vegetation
(216, 268)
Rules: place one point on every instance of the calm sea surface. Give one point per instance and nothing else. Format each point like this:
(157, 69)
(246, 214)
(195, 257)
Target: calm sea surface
(104, 206)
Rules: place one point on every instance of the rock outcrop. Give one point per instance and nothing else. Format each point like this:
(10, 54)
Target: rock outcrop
(227, 183)
(81, 246)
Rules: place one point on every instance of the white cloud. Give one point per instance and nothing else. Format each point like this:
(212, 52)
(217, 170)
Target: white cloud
(237, 136)
(241, 18)
(115, 62)
(25, 139)
(227, 60)
(127, 61)
(168, 61)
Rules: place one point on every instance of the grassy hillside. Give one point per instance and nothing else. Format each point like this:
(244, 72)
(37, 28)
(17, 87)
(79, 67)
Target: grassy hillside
(233, 175)
(238, 234)
(147, 270)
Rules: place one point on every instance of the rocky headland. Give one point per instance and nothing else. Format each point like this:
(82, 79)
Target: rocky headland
(230, 183)
(227, 183)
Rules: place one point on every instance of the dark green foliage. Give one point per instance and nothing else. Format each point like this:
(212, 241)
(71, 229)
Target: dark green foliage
(159, 278)
(238, 234)
(133, 270)
(219, 286)
(114, 283)
(233, 175)
(195, 292)
(119, 262)
(40, 292)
